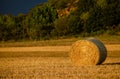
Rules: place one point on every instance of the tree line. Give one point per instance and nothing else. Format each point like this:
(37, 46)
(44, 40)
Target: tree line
(89, 17)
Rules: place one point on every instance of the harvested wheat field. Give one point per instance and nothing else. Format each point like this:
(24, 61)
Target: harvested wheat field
(53, 62)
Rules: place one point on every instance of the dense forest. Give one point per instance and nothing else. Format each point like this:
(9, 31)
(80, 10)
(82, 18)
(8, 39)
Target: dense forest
(58, 18)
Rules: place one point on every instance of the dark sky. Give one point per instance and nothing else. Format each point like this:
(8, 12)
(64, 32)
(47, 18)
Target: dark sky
(17, 6)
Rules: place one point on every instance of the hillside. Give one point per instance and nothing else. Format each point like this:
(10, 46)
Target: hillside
(89, 17)
(70, 6)
(63, 18)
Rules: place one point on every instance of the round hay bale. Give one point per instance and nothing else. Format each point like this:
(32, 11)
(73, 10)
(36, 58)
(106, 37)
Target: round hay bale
(88, 52)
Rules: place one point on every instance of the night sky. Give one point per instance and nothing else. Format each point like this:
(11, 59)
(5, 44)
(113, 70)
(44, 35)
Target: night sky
(17, 6)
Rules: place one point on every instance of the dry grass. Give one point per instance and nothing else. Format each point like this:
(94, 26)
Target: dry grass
(60, 42)
(51, 51)
(43, 48)
(50, 68)
(34, 54)
(113, 47)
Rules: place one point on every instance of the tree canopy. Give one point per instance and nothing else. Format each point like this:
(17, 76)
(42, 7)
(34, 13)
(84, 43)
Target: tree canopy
(79, 17)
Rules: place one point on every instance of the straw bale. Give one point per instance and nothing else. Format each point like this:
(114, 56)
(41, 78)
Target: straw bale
(90, 51)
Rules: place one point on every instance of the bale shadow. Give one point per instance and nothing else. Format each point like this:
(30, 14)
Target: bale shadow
(115, 63)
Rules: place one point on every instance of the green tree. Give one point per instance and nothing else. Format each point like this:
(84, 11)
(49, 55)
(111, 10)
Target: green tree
(40, 20)
(74, 24)
(21, 27)
(85, 5)
(103, 18)
(61, 26)
(93, 23)
(7, 24)
(68, 25)
(101, 3)
(59, 4)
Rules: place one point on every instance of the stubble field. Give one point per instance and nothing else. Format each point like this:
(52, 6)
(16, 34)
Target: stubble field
(53, 62)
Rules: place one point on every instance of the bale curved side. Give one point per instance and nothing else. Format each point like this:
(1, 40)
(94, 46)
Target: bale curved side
(102, 49)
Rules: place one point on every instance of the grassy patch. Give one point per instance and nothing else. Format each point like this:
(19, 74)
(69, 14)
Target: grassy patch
(107, 39)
